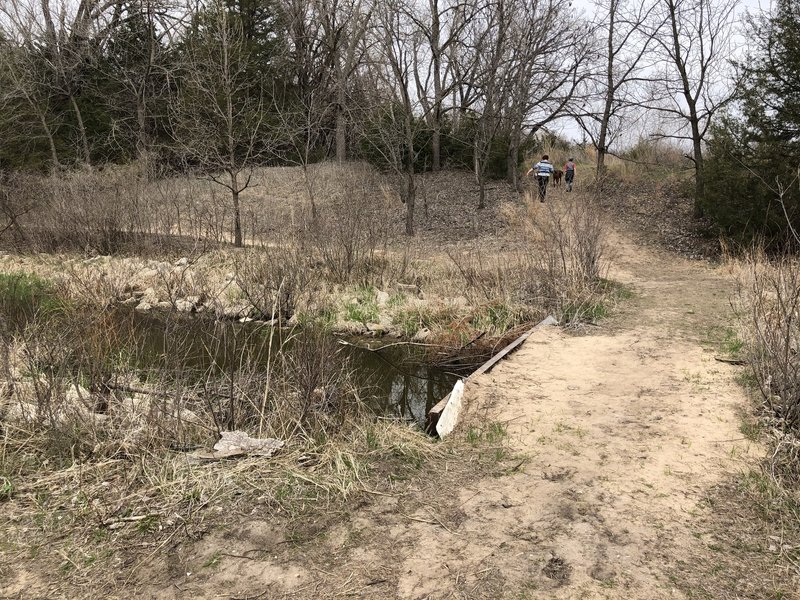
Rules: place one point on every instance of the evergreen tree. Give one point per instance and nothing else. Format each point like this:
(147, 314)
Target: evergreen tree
(753, 190)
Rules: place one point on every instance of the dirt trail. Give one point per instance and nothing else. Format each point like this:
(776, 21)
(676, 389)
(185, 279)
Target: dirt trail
(614, 438)
(625, 430)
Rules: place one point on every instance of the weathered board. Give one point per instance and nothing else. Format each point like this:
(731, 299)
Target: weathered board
(438, 412)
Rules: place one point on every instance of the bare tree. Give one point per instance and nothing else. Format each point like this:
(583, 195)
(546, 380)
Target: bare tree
(21, 86)
(551, 61)
(395, 114)
(623, 26)
(441, 25)
(697, 82)
(136, 60)
(218, 123)
(59, 39)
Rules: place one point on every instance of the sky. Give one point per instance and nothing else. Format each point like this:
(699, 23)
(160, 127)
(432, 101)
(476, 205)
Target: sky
(569, 129)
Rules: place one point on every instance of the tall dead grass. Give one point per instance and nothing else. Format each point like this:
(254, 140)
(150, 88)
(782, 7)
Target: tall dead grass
(769, 307)
(561, 268)
(134, 209)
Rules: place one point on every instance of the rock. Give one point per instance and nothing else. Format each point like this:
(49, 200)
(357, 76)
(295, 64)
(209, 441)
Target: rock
(460, 302)
(21, 412)
(410, 288)
(77, 395)
(421, 335)
(185, 306)
(238, 442)
(150, 296)
(182, 262)
(376, 329)
(144, 306)
(236, 311)
(147, 273)
(382, 297)
(350, 327)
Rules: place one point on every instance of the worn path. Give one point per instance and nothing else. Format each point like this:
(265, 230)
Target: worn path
(625, 429)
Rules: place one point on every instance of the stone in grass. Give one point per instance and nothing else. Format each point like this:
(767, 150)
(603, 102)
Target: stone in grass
(185, 306)
(421, 335)
(382, 298)
(237, 443)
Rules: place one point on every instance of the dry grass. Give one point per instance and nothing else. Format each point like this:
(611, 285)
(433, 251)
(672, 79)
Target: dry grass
(77, 523)
(560, 269)
(768, 303)
(750, 540)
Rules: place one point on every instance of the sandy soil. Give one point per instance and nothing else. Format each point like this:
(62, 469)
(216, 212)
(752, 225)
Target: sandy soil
(614, 437)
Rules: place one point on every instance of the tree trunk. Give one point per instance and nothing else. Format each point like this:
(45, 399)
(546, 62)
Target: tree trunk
(410, 199)
(602, 138)
(142, 141)
(512, 159)
(341, 125)
(237, 216)
(436, 145)
(410, 189)
(50, 142)
(699, 179)
(87, 158)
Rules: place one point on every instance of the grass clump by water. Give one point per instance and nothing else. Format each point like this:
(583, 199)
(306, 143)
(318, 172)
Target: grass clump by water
(363, 308)
(96, 461)
(23, 295)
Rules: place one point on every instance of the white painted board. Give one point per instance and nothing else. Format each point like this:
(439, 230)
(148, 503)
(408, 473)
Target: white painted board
(449, 418)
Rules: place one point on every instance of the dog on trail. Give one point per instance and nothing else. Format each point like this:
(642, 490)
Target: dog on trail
(557, 174)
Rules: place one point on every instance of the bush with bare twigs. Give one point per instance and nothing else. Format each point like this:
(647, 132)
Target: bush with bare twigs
(276, 280)
(561, 269)
(769, 305)
(353, 228)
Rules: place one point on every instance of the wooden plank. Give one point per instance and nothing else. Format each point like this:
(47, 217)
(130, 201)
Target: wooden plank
(449, 417)
(435, 412)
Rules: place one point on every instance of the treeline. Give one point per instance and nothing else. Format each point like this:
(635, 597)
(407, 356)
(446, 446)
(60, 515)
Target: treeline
(220, 86)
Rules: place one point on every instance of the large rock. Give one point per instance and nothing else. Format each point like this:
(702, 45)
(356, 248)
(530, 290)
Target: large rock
(237, 311)
(233, 443)
(382, 298)
(421, 335)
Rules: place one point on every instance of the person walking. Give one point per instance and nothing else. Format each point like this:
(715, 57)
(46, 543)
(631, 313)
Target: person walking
(543, 170)
(569, 173)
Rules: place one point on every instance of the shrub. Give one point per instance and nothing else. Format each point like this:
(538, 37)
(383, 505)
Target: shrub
(769, 303)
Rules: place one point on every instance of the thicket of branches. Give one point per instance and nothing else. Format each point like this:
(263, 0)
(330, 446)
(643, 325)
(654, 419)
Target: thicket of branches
(220, 86)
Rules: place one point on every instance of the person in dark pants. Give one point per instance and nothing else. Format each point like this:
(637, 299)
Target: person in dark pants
(543, 170)
(569, 173)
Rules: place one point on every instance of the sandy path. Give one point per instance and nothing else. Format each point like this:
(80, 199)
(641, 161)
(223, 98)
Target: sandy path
(616, 436)
(625, 430)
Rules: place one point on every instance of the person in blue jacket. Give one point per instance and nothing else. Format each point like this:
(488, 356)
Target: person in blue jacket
(543, 170)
